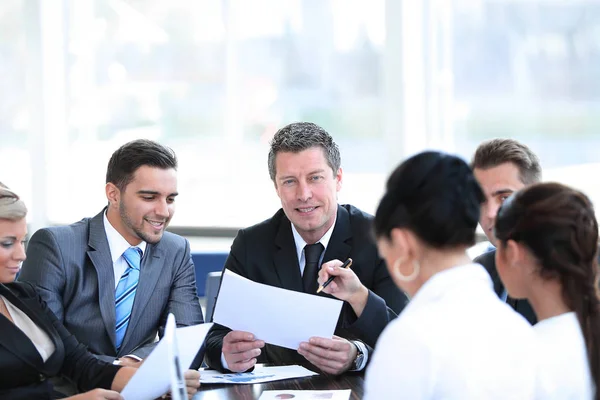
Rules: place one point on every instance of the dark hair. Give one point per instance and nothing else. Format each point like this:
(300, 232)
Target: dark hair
(300, 136)
(129, 157)
(558, 225)
(436, 196)
(495, 152)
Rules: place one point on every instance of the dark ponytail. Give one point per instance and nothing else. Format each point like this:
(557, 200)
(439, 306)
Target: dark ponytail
(559, 226)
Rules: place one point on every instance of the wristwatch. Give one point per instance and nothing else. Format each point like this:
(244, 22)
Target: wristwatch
(358, 360)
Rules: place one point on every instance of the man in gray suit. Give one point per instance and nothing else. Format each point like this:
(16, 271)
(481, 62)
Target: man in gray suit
(112, 304)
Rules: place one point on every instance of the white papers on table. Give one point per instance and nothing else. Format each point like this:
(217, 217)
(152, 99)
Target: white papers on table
(152, 378)
(305, 394)
(278, 316)
(259, 375)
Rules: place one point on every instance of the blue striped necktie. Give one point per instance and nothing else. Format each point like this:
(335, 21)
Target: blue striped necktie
(125, 292)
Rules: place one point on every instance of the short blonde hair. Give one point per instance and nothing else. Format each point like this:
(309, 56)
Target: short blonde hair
(11, 207)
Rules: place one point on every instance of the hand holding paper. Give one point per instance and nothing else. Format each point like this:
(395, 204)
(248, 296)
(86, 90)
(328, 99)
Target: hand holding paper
(333, 356)
(276, 316)
(241, 350)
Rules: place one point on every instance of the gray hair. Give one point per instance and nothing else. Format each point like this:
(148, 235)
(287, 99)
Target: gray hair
(11, 207)
(300, 136)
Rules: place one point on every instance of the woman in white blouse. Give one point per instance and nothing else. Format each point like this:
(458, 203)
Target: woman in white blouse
(455, 339)
(34, 345)
(548, 242)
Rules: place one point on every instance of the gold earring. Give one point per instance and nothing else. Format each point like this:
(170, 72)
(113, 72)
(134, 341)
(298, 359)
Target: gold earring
(407, 278)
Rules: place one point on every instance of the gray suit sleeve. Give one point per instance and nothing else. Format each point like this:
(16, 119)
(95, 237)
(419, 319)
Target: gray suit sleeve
(183, 298)
(142, 351)
(44, 268)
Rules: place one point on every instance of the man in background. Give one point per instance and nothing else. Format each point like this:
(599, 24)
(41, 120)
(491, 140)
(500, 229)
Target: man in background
(502, 167)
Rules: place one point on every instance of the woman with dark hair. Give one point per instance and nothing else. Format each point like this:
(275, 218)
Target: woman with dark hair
(548, 240)
(455, 339)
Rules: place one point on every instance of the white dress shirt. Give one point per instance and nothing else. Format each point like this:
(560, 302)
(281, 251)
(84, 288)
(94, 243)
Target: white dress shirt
(563, 367)
(117, 245)
(37, 335)
(454, 340)
(300, 244)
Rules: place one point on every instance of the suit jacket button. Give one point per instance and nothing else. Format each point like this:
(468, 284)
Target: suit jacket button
(42, 378)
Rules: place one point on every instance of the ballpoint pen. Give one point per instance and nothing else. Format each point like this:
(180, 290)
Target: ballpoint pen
(346, 264)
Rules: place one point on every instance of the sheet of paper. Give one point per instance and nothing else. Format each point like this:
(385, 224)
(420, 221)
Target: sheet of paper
(152, 379)
(259, 375)
(277, 316)
(305, 394)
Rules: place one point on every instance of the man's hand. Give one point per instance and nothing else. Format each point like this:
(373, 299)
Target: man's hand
(333, 356)
(345, 286)
(192, 382)
(241, 350)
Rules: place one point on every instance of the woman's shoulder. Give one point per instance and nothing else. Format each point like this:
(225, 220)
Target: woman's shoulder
(21, 289)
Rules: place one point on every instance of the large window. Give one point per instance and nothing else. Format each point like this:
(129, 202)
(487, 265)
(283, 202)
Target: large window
(531, 70)
(15, 113)
(214, 79)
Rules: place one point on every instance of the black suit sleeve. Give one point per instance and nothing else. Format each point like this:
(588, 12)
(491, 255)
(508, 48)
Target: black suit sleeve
(488, 260)
(384, 303)
(79, 365)
(214, 341)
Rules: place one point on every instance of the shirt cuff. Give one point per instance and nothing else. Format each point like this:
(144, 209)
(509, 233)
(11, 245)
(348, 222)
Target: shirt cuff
(223, 362)
(132, 356)
(363, 349)
(136, 358)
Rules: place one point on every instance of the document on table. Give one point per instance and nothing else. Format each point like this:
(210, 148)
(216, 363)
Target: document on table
(152, 378)
(260, 374)
(305, 394)
(278, 316)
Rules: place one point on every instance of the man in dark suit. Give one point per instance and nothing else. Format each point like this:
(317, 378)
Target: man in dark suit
(286, 250)
(502, 167)
(113, 279)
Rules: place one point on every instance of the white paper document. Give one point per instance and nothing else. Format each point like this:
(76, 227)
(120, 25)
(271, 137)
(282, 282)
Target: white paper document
(152, 378)
(305, 394)
(278, 316)
(259, 375)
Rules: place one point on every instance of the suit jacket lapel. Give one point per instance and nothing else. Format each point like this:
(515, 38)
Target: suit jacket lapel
(150, 273)
(286, 258)
(15, 340)
(100, 256)
(338, 247)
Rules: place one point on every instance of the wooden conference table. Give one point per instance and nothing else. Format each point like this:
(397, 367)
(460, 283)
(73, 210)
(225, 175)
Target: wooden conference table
(354, 381)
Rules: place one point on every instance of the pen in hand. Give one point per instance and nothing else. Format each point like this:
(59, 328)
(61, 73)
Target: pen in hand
(346, 264)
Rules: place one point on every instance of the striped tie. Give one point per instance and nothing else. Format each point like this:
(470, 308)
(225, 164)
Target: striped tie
(125, 292)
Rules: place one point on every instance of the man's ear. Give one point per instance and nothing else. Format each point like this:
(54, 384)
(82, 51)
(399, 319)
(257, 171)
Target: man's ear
(339, 178)
(113, 194)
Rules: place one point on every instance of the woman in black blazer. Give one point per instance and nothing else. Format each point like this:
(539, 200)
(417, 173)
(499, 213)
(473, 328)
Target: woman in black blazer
(24, 372)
